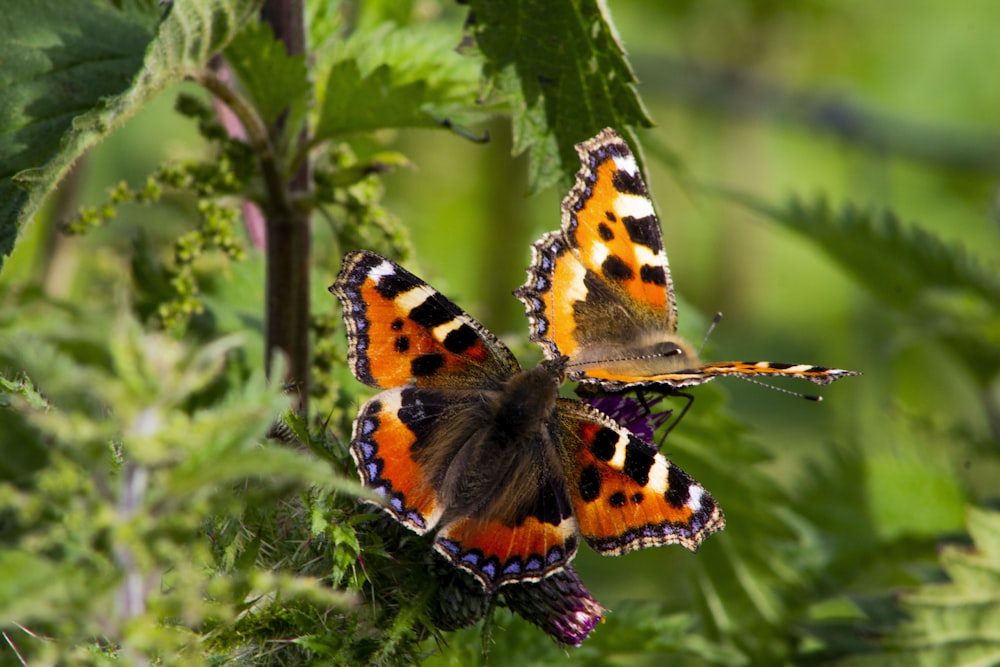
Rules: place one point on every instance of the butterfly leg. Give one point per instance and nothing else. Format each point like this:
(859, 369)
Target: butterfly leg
(687, 405)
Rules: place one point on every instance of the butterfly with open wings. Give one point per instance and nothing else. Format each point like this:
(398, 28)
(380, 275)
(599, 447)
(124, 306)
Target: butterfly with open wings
(463, 442)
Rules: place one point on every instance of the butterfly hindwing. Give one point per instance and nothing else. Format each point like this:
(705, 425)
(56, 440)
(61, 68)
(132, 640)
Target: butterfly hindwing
(387, 434)
(532, 546)
(626, 495)
(400, 329)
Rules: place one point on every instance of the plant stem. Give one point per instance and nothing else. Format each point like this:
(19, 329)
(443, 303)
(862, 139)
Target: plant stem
(287, 227)
(257, 134)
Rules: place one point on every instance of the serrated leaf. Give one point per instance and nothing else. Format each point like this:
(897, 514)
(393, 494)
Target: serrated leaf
(895, 260)
(943, 289)
(564, 74)
(954, 623)
(271, 78)
(75, 71)
(24, 389)
(392, 78)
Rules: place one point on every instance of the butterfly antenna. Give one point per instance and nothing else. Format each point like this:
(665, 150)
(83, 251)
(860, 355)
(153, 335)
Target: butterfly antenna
(711, 328)
(781, 390)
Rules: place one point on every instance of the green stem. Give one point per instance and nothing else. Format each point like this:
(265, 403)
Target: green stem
(257, 134)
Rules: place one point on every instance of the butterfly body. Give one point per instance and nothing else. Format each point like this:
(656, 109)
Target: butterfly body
(599, 290)
(464, 443)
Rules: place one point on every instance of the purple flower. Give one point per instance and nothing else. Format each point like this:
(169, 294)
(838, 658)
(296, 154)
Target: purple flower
(638, 417)
(558, 604)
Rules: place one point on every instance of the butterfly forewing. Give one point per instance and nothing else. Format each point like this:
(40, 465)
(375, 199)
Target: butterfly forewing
(609, 223)
(400, 329)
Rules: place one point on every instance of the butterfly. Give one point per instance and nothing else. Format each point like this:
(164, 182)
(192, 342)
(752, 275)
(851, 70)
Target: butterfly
(463, 443)
(599, 291)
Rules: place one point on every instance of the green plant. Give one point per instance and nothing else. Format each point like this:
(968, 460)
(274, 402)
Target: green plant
(162, 500)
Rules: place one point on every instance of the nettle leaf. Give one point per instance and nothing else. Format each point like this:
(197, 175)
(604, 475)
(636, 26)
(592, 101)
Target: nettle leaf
(943, 289)
(76, 70)
(272, 79)
(895, 260)
(397, 77)
(953, 623)
(564, 74)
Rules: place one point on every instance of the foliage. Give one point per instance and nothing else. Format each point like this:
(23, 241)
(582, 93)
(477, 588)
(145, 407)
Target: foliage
(160, 502)
(110, 79)
(951, 623)
(552, 82)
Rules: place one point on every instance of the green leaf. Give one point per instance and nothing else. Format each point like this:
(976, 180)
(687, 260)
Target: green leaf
(953, 623)
(272, 79)
(390, 78)
(942, 289)
(75, 71)
(24, 389)
(896, 261)
(564, 74)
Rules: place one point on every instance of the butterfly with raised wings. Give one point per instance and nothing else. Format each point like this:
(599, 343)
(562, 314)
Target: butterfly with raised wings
(463, 443)
(599, 292)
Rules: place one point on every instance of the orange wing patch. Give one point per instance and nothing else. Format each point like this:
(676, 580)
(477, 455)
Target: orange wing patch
(626, 495)
(610, 222)
(400, 329)
(382, 446)
(497, 554)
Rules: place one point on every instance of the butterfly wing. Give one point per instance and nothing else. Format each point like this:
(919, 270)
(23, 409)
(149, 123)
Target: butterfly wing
(626, 495)
(820, 375)
(599, 290)
(540, 541)
(433, 358)
(400, 329)
(389, 431)
(474, 460)
(610, 226)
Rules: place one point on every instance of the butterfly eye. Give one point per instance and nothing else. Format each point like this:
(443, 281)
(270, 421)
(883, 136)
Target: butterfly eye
(666, 349)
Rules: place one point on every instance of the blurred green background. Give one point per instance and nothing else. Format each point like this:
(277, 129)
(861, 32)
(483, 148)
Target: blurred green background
(884, 105)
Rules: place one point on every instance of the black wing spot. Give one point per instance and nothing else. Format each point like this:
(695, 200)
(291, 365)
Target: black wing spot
(461, 339)
(402, 343)
(644, 231)
(630, 184)
(617, 499)
(614, 268)
(604, 443)
(590, 484)
(391, 286)
(605, 232)
(678, 492)
(637, 462)
(426, 364)
(433, 312)
(653, 274)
